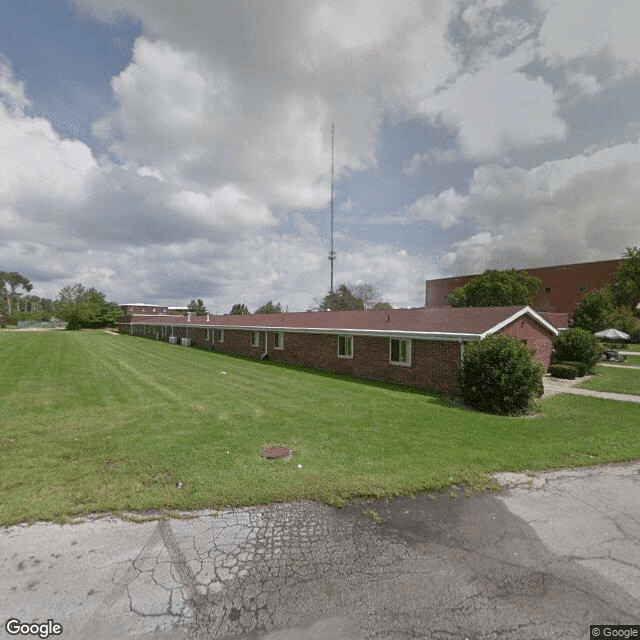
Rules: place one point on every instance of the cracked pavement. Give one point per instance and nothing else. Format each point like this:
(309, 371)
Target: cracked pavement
(545, 557)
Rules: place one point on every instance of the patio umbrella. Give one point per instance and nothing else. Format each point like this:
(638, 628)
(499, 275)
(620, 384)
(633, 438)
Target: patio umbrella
(613, 334)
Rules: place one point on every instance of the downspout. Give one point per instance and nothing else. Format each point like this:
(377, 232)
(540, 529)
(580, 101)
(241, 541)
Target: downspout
(265, 355)
(461, 359)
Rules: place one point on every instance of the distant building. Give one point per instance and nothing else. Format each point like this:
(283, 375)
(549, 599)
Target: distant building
(561, 290)
(142, 307)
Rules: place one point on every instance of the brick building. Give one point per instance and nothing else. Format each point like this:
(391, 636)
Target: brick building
(562, 287)
(143, 308)
(416, 347)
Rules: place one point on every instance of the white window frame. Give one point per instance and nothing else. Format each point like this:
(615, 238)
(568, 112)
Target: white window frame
(278, 340)
(220, 335)
(255, 338)
(400, 341)
(208, 335)
(347, 340)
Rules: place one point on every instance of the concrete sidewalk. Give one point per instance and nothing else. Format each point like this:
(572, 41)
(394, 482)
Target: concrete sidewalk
(553, 386)
(621, 366)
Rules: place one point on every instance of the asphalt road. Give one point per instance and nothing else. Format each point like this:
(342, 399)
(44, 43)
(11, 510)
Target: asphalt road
(543, 558)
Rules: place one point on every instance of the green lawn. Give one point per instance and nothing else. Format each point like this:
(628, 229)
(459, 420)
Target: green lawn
(615, 379)
(632, 361)
(96, 422)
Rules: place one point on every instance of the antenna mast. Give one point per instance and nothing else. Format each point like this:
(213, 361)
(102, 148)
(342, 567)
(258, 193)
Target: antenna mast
(332, 253)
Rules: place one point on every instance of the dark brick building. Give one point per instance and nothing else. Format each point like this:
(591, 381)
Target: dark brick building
(561, 290)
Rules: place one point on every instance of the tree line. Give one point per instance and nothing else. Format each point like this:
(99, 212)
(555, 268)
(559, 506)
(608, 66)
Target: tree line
(80, 307)
(346, 297)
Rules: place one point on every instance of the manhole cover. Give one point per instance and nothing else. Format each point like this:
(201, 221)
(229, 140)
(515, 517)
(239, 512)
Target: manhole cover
(276, 452)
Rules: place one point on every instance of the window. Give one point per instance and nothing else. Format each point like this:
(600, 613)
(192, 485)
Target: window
(208, 335)
(278, 340)
(345, 346)
(400, 352)
(220, 335)
(255, 338)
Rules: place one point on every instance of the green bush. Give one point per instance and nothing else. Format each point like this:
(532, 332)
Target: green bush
(499, 375)
(564, 370)
(577, 345)
(580, 367)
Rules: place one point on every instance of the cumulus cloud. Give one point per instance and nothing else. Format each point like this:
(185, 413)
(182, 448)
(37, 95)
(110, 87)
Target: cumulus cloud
(215, 179)
(217, 92)
(594, 27)
(573, 210)
(445, 208)
(509, 112)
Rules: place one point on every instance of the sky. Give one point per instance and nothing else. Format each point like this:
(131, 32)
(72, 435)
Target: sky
(162, 151)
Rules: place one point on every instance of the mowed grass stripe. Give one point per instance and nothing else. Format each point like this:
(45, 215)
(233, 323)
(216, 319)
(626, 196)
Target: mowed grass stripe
(94, 422)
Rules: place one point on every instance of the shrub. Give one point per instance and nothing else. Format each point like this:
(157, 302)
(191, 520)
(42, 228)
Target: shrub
(580, 367)
(577, 345)
(499, 375)
(563, 370)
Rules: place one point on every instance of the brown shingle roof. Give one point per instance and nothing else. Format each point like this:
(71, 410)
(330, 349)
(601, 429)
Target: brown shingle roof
(446, 321)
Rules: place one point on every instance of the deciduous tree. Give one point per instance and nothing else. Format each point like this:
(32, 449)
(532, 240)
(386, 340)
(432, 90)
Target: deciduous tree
(269, 307)
(496, 289)
(353, 297)
(594, 311)
(85, 308)
(197, 306)
(626, 282)
(10, 282)
(341, 299)
(240, 309)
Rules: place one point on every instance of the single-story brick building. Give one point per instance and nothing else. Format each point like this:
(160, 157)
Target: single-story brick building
(417, 347)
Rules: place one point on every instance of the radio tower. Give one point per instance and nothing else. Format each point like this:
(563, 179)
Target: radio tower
(332, 253)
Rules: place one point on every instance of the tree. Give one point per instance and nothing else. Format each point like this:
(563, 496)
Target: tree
(626, 281)
(499, 375)
(342, 299)
(197, 306)
(577, 345)
(269, 307)
(10, 281)
(240, 309)
(623, 319)
(353, 297)
(496, 289)
(85, 308)
(595, 311)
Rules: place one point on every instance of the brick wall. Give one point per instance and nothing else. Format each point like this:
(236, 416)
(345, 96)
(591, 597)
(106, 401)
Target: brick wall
(561, 289)
(533, 335)
(434, 365)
